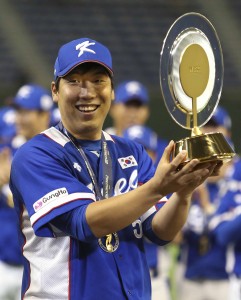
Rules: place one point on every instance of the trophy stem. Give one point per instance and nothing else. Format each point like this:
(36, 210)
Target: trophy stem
(196, 131)
(194, 111)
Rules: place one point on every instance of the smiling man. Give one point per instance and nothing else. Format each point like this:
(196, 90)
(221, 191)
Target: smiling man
(86, 199)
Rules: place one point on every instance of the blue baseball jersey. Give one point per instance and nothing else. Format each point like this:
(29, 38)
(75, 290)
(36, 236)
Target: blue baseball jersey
(204, 257)
(49, 178)
(10, 251)
(227, 221)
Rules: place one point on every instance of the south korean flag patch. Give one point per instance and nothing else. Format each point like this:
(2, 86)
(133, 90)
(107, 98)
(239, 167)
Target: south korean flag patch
(127, 162)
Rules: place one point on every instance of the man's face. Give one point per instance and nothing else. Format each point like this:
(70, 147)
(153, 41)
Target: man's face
(84, 97)
(129, 114)
(31, 122)
(136, 113)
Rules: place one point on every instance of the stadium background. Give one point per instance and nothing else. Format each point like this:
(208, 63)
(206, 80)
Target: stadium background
(31, 32)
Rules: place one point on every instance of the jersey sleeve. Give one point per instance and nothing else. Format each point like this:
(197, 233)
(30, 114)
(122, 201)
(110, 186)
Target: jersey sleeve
(227, 220)
(42, 182)
(228, 231)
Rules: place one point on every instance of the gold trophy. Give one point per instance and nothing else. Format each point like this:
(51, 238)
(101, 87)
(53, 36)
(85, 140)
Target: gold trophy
(191, 79)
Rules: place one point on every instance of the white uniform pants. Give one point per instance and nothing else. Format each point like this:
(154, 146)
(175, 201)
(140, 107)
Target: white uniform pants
(10, 281)
(205, 290)
(235, 288)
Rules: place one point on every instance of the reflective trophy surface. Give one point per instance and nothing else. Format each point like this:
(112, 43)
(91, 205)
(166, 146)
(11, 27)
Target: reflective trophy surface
(191, 79)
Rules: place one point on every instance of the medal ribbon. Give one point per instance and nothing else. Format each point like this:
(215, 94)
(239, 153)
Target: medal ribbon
(107, 177)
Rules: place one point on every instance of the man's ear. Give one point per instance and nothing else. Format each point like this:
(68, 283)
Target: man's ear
(112, 95)
(55, 93)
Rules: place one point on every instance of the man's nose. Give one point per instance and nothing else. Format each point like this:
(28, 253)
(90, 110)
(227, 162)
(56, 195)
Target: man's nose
(87, 90)
(83, 92)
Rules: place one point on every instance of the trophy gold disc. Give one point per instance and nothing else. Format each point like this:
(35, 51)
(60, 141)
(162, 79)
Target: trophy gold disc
(191, 79)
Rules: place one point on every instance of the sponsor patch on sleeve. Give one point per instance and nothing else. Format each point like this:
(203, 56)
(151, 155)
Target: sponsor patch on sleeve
(53, 195)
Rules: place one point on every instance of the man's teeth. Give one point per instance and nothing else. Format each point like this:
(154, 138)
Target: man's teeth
(87, 108)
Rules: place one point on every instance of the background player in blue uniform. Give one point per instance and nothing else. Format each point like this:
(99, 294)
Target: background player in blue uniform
(31, 116)
(204, 258)
(226, 226)
(130, 106)
(10, 256)
(76, 244)
(7, 125)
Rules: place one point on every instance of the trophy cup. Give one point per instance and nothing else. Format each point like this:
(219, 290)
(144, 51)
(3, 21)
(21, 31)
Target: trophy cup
(191, 79)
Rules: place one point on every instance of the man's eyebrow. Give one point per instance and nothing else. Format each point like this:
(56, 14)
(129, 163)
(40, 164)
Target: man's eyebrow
(95, 72)
(100, 72)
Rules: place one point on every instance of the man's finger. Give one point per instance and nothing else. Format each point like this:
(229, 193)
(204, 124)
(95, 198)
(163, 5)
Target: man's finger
(167, 152)
(188, 167)
(180, 158)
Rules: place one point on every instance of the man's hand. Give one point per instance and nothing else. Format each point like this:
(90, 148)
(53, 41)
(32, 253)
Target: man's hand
(169, 178)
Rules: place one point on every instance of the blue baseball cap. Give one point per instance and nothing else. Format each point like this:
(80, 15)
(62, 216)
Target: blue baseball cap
(131, 90)
(221, 118)
(33, 97)
(142, 135)
(7, 123)
(80, 51)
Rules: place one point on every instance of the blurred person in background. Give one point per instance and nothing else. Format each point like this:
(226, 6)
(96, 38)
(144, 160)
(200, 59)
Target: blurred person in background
(30, 115)
(7, 125)
(226, 225)
(33, 105)
(159, 271)
(10, 254)
(54, 116)
(203, 258)
(130, 107)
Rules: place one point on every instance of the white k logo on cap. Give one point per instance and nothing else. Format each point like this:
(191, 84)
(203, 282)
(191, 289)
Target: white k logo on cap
(83, 48)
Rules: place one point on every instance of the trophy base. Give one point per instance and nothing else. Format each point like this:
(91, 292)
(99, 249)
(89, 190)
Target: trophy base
(205, 147)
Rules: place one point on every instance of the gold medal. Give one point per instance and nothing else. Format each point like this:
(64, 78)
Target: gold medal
(109, 243)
